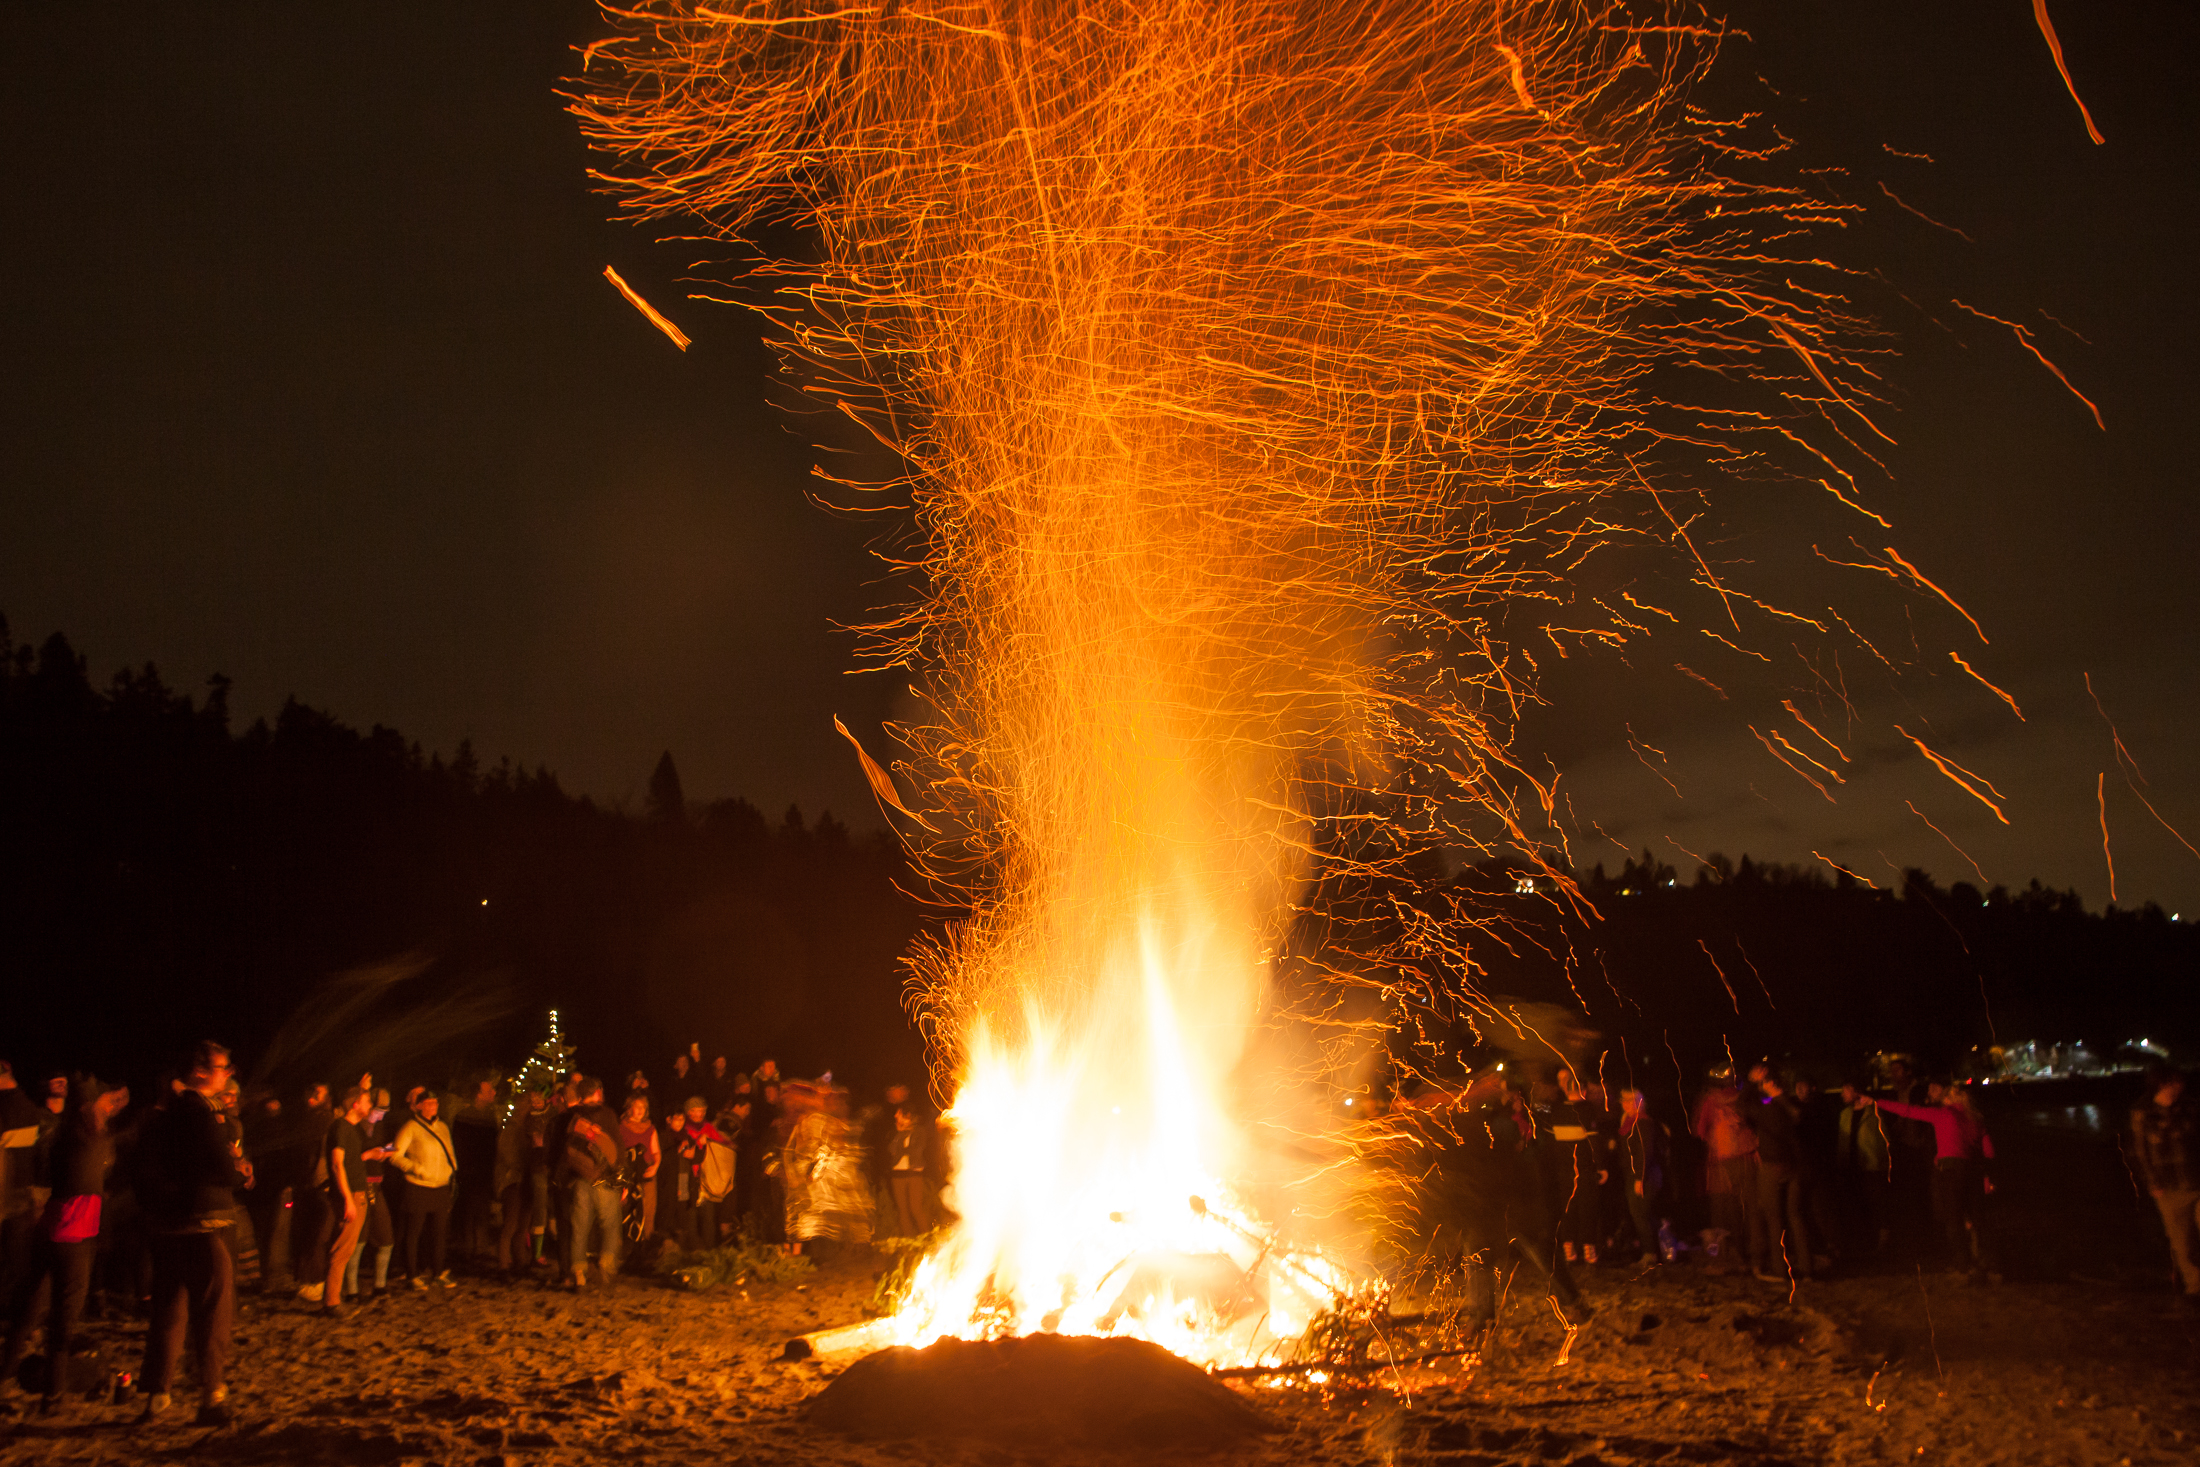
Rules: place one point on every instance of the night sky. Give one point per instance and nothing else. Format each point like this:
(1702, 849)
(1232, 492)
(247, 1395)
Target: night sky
(313, 379)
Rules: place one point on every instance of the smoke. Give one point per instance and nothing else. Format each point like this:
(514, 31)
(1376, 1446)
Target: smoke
(405, 1016)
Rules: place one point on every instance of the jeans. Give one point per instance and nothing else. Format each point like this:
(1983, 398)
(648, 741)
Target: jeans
(194, 1292)
(270, 1207)
(381, 1253)
(592, 1225)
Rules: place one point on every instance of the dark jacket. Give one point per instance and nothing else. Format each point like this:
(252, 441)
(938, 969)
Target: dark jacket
(1778, 1121)
(474, 1136)
(1646, 1145)
(186, 1178)
(914, 1143)
(82, 1155)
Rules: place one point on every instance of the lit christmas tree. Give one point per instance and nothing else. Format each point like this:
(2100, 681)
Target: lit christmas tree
(550, 1063)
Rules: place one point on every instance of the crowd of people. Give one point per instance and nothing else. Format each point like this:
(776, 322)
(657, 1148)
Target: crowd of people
(339, 1198)
(173, 1206)
(1772, 1174)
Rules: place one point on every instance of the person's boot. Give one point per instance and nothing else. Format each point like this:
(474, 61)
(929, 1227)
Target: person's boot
(214, 1411)
(156, 1406)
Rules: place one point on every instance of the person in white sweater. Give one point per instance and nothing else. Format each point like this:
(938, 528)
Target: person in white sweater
(423, 1152)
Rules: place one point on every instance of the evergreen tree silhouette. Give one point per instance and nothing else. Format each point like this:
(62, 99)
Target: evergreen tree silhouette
(667, 803)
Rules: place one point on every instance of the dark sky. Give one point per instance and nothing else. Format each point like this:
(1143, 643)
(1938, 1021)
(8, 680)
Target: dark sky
(313, 379)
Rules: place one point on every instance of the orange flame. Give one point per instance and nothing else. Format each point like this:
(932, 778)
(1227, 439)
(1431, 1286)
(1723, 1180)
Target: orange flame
(1250, 366)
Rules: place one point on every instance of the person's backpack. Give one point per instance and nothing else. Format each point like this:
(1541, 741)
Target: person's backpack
(591, 1151)
(718, 1170)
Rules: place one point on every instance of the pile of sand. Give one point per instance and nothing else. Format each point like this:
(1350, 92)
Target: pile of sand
(1043, 1390)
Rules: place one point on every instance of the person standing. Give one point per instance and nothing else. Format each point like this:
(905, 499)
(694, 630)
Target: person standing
(673, 1186)
(765, 1073)
(1818, 1120)
(474, 1141)
(876, 1124)
(773, 1123)
(310, 1224)
(1645, 1148)
(717, 1085)
(590, 1161)
(67, 1241)
(690, 1135)
(423, 1155)
(1574, 1163)
(734, 1128)
(186, 1190)
(22, 1122)
(522, 1183)
(640, 1156)
(347, 1186)
(1911, 1154)
(829, 1201)
(378, 1236)
(1861, 1163)
(2165, 1141)
(1961, 1149)
(1732, 1176)
(269, 1145)
(908, 1147)
(1778, 1121)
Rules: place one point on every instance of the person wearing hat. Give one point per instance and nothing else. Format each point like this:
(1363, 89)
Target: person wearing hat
(68, 1233)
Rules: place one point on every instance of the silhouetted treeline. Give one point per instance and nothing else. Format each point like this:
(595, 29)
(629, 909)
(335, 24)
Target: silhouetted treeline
(1793, 961)
(162, 876)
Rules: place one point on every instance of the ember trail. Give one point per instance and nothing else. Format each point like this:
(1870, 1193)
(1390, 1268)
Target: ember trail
(1256, 378)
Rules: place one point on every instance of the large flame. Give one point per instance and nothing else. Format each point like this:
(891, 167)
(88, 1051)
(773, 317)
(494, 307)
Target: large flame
(1090, 1174)
(1259, 368)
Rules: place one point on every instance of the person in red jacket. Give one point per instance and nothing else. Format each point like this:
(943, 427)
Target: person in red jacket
(688, 1136)
(1961, 1149)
